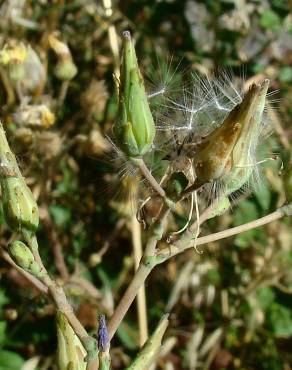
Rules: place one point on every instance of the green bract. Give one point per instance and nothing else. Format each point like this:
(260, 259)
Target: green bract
(134, 129)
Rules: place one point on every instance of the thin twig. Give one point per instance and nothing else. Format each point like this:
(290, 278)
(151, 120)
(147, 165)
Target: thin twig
(146, 265)
(57, 292)
(141, 297)
(149, 177)
(112, 36)
(8, 87)
(33, 280)
(185, 242)
(63, 92)
(56, 246)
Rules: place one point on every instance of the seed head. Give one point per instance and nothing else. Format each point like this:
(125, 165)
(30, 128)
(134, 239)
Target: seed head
(228, 147)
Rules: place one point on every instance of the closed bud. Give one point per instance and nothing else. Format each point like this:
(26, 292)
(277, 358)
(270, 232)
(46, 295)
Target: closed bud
(13, 57)
(23, 65)
(134, 128)
(71, 353)
(24, 258)
(65, 69)
(19, 206)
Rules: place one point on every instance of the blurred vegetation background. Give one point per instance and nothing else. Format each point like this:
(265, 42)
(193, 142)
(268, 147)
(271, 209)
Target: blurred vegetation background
(231, 306)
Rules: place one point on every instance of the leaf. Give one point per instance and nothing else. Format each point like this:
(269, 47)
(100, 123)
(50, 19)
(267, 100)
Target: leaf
(270, 20)
(10, 360)
(266, 297)
(245, 212)
(263, 196)
(280, 320)
(128, 336)
(61, 215)
(285, 74)
(2, 331)
(3, 298)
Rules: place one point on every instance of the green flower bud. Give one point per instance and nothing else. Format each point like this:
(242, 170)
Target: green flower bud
(134, 128)
(19, 207)
(65, 70)
(23, 65)
(71, 353)
(24, 258)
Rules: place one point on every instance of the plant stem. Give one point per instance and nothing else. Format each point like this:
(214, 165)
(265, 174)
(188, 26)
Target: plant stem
(149, 177)
(56, 292)
(147, 263)
(56, 247)
(141, 296)
(128, 297)
(186, 243)
(33, 280)
(63, 93)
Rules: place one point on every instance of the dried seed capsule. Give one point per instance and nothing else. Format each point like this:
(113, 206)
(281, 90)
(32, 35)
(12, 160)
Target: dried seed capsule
(134, 128)
(244, 151)
(227, 147)
(24, 258)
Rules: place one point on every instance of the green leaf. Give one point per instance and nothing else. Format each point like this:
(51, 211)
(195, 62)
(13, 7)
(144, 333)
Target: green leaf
(3, 298)
(10, 360)
(285, 74)
(2, 331)
(270, 20)
(280, 320)
(128, 336)
(245, 212)
(61, 215)
(266, 297)
(263, 196)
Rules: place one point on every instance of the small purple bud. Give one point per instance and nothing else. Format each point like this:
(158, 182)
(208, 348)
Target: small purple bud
(102, 335)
